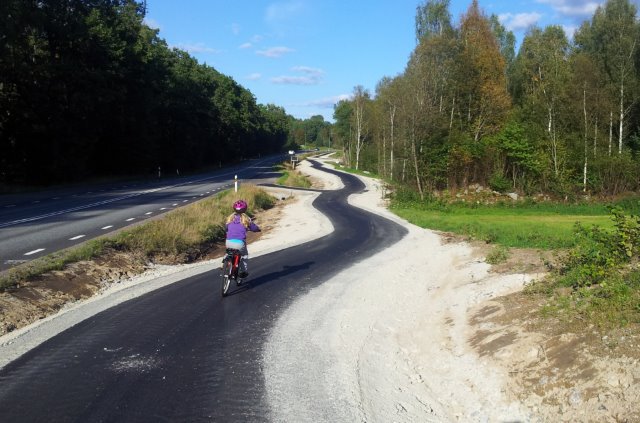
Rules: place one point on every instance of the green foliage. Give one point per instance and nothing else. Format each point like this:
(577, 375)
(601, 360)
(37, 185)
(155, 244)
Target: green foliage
(499, 254)
(601, 255)
(88, 90)
(499, 183)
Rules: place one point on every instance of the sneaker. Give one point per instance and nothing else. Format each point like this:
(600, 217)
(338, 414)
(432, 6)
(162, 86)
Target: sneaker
(243, 275)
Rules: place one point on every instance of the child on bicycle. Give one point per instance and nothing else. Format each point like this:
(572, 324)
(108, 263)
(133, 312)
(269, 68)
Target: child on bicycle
(237, 226)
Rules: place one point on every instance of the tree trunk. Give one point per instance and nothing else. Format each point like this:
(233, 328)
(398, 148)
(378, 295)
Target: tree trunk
(610, 130)
(392, 116)
(621, 126)
(415, 158)
(586, 129)
(595, 138)
(453, 107)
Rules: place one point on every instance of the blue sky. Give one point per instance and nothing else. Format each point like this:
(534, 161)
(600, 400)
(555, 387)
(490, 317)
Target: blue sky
(305, 55)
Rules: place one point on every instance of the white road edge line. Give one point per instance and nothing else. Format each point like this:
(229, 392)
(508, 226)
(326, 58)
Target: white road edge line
(148, 213)
(130, 219)
(34, 251)
(107, 227)
(76, 237)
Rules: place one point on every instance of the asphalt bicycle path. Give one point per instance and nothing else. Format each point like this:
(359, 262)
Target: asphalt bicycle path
(183, 353)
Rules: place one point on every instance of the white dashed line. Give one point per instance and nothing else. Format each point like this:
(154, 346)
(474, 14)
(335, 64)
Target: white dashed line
(208, 192)
(107, 227)
(34, 251)
(175, 204)
(10, 205)
(76, 237)
(148, 213)
(184, 201)
(164, 208)
(130, 219)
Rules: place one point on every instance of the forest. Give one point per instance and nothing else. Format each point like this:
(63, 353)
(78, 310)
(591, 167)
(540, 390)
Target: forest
(558, 117)
(87, 90)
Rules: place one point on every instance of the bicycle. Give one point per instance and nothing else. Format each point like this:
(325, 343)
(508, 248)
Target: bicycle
(230, 269)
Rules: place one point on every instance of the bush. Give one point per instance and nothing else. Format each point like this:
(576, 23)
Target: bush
(499, 183)
(601, 255)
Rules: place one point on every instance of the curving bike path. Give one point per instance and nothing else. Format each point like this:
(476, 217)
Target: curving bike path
(182, 353)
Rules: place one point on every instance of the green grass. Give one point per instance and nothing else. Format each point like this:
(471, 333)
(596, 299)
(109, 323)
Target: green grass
(292, 178)
(539, 227)
(185, 231)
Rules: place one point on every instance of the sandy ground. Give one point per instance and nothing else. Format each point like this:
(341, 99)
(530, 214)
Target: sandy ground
(416, 341)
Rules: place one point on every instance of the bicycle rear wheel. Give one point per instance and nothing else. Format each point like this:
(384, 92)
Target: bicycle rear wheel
(227, 268)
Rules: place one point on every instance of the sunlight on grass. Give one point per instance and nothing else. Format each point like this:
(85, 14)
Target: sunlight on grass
(519, 230)
(190, 229)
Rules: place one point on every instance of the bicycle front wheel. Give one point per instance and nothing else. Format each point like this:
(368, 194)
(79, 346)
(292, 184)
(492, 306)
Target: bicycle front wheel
(227, 267)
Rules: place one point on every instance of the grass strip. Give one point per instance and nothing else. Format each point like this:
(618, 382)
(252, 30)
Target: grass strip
(187, 231)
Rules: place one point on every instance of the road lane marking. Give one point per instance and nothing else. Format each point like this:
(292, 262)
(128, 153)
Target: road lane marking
(164, 208)
(148, 213)
(130, 219)
(34, 251)
(175, 204)
(107, 227)
(76, 237)
(184, 201)
(10, 205)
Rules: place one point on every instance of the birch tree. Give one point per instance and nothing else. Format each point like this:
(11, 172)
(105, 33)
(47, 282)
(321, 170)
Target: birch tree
(543, 66)
(360, 99)
(612, 39)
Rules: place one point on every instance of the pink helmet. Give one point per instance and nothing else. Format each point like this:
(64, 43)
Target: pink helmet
(240, 206)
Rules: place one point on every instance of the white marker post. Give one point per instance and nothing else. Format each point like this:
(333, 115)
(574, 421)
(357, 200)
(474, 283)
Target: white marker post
(235, 182)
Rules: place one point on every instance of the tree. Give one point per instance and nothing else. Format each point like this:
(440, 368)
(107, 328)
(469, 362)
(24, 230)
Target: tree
(483, 74)
(543, 66)
(612, 39)
(360, 99)
(432, 19)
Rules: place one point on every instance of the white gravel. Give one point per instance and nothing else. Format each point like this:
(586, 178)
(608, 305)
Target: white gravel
(386, 340)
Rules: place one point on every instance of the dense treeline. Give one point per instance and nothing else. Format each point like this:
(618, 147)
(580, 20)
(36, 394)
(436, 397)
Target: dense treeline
(559, 117)
(87, 89)
(312, 131)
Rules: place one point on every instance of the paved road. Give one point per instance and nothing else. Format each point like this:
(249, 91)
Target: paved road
(32, 225)
(182, 353)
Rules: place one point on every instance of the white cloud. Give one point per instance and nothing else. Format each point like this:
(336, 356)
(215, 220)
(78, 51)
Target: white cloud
(313, 76)
(295, 80)
(308, 70)
(246, 45)
(327, 102)
(196, 48)
(254, 76)
(573, 8)
(519, 21)
(275, 52)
